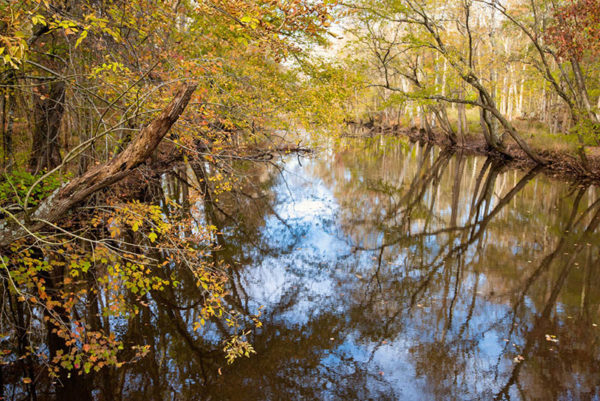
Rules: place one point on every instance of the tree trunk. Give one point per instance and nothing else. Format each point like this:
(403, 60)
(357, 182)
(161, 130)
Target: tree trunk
(521, 90)
(581, 88)
(488, 105)
(442, 116)
(48, 110)
(53, 208)
(463, 127)
(8, 107)
(490, 133)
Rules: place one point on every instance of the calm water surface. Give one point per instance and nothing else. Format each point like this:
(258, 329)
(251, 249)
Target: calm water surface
(405, 272)
(391, 271)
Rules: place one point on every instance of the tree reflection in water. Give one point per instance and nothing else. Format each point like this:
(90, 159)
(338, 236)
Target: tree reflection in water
(386, 271)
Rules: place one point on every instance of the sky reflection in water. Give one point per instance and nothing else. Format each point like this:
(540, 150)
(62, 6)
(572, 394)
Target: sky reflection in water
(387, 271)
(415, 274)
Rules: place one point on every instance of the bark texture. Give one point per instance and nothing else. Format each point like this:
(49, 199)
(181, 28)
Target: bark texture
(48, 111)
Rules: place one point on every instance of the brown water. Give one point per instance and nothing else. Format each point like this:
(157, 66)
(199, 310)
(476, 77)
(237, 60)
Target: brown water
(390, 271)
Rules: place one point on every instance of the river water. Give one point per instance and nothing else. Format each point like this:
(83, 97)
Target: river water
(389, 270)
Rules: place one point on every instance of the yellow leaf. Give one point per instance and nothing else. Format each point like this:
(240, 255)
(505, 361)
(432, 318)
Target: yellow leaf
(81, 38)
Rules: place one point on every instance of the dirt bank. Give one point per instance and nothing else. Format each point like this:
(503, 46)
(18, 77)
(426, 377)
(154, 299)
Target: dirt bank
(561, 164)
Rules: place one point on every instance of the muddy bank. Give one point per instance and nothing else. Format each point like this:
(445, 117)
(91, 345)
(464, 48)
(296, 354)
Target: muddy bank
(561, 164)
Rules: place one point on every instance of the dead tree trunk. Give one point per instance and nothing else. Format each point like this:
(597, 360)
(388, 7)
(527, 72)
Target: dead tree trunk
(439, 111)
(462, 124)
(64, 199)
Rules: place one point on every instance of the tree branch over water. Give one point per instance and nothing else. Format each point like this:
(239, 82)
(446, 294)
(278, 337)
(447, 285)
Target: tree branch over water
(76, 191)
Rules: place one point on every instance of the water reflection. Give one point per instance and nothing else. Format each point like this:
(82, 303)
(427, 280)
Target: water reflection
(474, 270)
(387, 271)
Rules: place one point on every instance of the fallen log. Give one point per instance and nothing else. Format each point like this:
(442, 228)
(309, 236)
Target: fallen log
(67, 197)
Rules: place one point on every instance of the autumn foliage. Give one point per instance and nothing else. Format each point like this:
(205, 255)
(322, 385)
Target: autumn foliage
(575, 30)
(82, 87)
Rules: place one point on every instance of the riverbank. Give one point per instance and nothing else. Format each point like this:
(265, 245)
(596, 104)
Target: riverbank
(562, 163)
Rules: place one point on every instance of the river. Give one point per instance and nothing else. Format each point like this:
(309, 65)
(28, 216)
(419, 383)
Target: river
(389, 270)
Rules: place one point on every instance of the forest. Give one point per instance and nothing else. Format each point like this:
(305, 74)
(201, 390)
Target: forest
(521, 76)
(240, 199)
